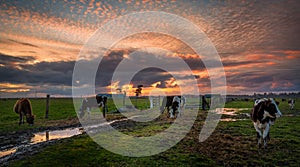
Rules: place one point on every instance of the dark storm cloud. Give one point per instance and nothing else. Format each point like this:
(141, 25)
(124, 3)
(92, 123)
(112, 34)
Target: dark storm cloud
(17, 70)
(44, 72)
(7, 60)
(149, 76)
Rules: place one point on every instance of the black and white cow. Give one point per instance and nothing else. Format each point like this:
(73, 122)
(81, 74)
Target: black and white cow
(92, 102)
(291, 103)
(264, 114)
(173, 104)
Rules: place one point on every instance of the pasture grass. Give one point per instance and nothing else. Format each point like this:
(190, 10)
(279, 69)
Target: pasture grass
(59, 109)
(82, 151)
(61, 112)
(231, 144)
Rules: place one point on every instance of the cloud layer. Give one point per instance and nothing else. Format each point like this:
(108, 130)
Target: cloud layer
(258, 42)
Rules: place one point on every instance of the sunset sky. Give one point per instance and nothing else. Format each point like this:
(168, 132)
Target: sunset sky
(258, 42)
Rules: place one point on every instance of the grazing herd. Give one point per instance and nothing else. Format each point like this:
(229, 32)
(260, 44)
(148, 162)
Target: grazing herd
(264, 112)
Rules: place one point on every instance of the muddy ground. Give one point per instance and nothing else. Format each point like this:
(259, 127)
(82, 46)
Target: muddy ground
(225, 145)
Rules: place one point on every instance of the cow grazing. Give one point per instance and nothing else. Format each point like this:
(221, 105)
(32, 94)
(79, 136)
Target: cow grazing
(173, 104)
(264, 114)
(91, 102)
(291, 103)
(23, 108)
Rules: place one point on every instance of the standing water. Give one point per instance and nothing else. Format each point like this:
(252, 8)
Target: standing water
(46, 136)
(41, 137)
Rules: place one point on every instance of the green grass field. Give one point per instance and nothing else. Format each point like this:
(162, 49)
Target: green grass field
(60, 110)
(231, 144)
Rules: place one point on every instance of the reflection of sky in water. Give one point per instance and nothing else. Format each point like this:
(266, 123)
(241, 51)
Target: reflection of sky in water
(7, 152)
(231, 119)
(44, 136)
(230, 111)
(58, 134)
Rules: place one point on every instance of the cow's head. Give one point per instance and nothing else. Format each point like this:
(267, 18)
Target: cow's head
(30, 119)
(272, 110)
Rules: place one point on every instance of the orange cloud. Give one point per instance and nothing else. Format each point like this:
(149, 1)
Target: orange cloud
(14, 88)
(281, 84)
(40, 49)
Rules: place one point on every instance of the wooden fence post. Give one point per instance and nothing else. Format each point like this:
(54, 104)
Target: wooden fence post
(47, 105)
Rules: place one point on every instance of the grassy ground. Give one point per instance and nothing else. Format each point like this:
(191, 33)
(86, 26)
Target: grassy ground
(231, 144)
(60, 109)
(61, 112)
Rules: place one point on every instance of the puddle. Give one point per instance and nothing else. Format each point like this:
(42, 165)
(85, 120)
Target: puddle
(231, 119)
(42, 137)
(56, 134)
(232, 114)
(45, 136)
(231, 111)
(7, 152)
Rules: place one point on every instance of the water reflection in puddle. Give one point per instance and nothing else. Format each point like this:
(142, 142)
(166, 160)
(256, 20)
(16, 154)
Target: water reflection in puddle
(233, 114)
(231, 119)
(230, 111)
(7, 152)
(56, 134)
(40, 137)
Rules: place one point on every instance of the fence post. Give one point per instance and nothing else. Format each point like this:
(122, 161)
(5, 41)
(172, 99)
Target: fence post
(47, 105)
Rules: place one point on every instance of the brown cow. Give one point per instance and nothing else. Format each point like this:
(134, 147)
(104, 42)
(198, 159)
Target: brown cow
(23, 107)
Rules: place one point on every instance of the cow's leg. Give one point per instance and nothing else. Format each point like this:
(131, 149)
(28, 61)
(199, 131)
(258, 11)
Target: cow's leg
(259, 134)
(104, 109)
(179, 111)
(101, 104)
(265, 134)
(20, 120)
(268, 137)
(171, 113)
(258, 140)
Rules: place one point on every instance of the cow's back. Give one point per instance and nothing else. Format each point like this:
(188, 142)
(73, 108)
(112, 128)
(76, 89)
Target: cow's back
(23, 105)
(17, 106)
(26, 105)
